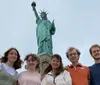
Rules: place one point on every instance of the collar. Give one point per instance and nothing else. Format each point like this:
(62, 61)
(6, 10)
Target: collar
(78, 65)
(50, 73)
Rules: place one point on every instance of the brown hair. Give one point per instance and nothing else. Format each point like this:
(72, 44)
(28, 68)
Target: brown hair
(17, 63)
(95, 45)
(59, 69)
(34, 58)
(70, 49)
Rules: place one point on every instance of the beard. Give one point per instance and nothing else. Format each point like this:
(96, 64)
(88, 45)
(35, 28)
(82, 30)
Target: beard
(96, 58)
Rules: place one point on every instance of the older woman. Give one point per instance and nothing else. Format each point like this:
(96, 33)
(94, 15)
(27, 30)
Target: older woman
(55, 73)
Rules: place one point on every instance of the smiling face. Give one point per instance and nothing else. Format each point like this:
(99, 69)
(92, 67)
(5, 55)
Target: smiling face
(32, 63)
(12, 55)
(73, 56)
(95, 52)
(55, 63)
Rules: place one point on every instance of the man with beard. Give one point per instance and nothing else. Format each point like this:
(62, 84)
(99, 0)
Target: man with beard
(95, 68)
(80, 74)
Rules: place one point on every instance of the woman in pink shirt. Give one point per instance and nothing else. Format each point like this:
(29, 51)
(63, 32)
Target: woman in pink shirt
(31, 76)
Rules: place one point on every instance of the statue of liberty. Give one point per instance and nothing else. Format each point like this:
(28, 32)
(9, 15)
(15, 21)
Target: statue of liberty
(44, 31)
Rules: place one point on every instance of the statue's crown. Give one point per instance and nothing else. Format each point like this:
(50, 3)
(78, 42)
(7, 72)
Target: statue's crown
(43, 11)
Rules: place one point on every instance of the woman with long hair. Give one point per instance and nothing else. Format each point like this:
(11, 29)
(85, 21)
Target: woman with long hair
(55, 73)
(31, 76)
(9, 63)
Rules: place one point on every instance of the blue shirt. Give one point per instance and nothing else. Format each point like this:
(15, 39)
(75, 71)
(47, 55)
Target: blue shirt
(95, 74)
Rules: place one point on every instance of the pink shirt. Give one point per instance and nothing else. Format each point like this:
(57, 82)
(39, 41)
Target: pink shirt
(29, 78)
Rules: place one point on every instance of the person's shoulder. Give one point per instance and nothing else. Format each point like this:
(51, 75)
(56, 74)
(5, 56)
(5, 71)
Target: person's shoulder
(67, 67)
(38, 74)
(65, 72)
(83, 66)
(49, 74)
(22, 73)
(46, 76)
(93, 66)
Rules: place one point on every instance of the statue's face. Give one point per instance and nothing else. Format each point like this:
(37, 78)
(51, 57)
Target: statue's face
(43, 15)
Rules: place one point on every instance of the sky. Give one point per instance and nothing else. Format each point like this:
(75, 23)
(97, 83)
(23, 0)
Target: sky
(76, 21)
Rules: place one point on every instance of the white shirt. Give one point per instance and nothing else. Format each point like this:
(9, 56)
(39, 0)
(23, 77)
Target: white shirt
(8, 69)
(63, 78)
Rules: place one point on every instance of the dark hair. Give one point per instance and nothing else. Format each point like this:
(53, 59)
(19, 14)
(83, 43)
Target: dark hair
(70, 49)
(34, 58)
(59, 69)
(95, 45)
(17, 63)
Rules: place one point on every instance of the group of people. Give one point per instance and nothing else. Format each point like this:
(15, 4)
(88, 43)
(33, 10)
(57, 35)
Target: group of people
(54, 74)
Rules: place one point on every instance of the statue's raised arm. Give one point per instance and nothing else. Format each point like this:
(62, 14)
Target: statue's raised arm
(34, 9)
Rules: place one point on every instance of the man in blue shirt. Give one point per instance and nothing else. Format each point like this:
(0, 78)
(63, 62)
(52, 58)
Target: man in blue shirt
(95, 68)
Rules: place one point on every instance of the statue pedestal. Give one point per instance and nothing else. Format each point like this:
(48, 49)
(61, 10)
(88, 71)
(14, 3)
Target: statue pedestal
(44, 62)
